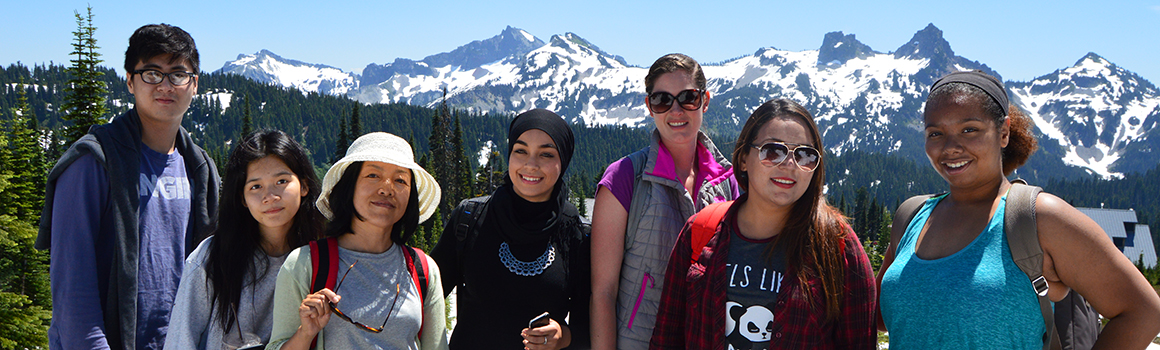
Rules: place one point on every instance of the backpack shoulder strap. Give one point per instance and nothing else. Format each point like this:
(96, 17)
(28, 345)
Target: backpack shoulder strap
(324, 259)
(416, 262)
(1023, 240)
(908, 209)
(704, 225)
(468, 218)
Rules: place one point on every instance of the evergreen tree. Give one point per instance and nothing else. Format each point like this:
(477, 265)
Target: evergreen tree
(355, 125)
(343, 142)
(461, 166)
(247, 121)
(441, 155)
(25, 161)
(860, 215)
(491, 175)
(85, 104)
(25, 298)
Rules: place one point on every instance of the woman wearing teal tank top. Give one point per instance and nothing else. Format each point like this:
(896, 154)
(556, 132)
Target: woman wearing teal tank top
(948, 282)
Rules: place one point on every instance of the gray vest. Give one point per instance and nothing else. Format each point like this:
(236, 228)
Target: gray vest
(660, 206)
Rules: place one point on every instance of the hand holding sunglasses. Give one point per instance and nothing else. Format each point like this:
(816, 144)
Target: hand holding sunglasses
(690, 100)
(774, 153)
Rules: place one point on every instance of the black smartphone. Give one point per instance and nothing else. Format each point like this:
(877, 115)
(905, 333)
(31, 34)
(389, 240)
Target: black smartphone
(254, 347)
(539, 321)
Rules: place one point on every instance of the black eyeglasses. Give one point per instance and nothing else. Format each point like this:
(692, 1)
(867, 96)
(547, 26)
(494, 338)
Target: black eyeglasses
(690, 100)
(346, 318)
(154, 77)
(774, 153)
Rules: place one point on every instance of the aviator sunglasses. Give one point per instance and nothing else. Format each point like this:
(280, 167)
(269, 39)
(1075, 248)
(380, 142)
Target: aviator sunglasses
(346, 318)
(690, 100)
(774, 153)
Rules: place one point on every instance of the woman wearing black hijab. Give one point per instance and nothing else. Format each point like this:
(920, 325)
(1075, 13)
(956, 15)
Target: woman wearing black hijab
(522, 251)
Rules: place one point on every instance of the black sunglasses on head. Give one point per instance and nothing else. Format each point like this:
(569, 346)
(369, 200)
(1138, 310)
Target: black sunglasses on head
(346, 318)
(690, 100)
(774, 153)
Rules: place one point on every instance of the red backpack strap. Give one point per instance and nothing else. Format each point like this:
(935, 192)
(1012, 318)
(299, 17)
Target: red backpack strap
(323, 257)
(418, 273)
(705, 225)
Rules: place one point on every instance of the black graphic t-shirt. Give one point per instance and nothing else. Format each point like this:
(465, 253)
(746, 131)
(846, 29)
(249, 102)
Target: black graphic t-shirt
(754, 278)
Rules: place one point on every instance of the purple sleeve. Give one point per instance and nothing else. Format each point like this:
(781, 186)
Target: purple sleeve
(77, 319)
(618, 179)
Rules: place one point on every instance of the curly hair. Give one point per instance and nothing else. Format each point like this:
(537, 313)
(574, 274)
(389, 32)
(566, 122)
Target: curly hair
(1021, 143)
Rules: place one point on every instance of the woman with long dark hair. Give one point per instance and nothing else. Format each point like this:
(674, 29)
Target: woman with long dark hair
(783, 268)
(384, 294)
(524, 249)
(949, 279)
(267, 208)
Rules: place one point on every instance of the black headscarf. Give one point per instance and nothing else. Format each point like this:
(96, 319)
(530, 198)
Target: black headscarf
(519, 220)
(551, 124)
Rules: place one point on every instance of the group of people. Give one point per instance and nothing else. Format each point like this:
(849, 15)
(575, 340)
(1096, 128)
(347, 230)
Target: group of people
(688, 247)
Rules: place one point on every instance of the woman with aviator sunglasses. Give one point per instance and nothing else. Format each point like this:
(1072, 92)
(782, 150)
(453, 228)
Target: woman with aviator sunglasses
(375, 197)
(643, 200)
(781, 264)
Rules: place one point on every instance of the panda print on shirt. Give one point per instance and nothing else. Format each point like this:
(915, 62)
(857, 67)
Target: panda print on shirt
(754, 277)
(748, 327)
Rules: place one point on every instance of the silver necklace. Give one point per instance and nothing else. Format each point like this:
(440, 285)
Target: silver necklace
(526, 268)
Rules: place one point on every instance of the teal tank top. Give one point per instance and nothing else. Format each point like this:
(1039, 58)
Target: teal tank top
(976, 298)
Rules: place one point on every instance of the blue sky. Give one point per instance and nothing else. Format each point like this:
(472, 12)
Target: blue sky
(1019, 40)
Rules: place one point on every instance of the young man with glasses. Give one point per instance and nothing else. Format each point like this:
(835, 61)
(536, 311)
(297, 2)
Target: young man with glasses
(133, 197)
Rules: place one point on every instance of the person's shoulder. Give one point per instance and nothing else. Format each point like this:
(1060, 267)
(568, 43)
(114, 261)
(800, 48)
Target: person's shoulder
(296, 257)
(200, 254)
(1049, 206)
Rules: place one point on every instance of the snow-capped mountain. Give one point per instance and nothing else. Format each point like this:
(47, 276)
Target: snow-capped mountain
(1103, 115)
(1097, 116)
(267, 67)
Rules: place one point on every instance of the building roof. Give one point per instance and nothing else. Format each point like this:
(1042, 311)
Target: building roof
(1111, 220)
(1116, 223)
(1143, 247)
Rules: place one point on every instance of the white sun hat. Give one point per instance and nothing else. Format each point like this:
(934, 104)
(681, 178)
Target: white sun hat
(386, 148)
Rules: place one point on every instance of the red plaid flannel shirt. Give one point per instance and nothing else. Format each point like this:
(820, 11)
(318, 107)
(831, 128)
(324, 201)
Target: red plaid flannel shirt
(692, 307)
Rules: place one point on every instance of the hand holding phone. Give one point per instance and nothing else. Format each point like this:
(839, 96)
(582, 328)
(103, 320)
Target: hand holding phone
(539, 321)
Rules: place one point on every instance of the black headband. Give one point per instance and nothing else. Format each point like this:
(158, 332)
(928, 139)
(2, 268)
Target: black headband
(991, 86)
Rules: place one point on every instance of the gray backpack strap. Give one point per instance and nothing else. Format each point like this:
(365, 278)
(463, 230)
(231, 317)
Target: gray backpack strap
(1023, 239)
(639, 159)
(908, 209)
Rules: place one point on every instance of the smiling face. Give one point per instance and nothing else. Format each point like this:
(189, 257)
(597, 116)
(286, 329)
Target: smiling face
(381, 193)
(162, 103)
(273, 194)
(963, 144)
(534, 166)
(678, 126)
(777, 185)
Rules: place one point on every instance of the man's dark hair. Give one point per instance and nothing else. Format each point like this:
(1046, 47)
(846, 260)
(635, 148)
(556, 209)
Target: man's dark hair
(154, 40)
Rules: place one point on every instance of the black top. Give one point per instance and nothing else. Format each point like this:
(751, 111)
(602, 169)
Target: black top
(493, 303)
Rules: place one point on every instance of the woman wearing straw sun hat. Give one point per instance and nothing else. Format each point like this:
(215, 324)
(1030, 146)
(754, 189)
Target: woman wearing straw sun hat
(375, 197)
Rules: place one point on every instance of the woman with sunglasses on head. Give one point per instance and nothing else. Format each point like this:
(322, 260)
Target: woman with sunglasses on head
(948, 279)
(780, 265)
(375, 197)
(523, 250)
(225, 297)
(643, 200)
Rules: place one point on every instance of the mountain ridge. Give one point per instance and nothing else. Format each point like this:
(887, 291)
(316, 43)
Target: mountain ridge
(862, 98)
